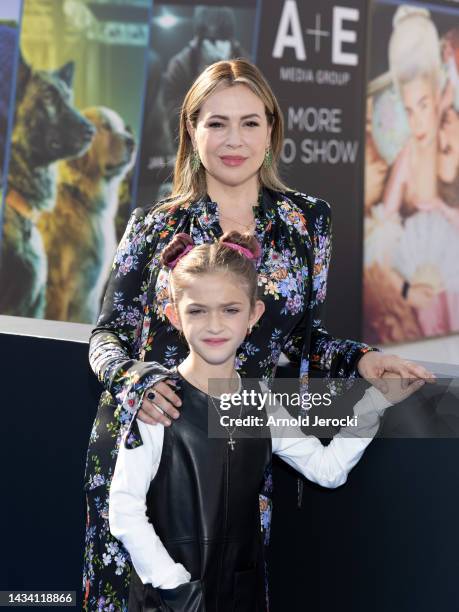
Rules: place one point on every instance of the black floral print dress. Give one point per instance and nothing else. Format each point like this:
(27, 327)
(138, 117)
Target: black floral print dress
(134, 344)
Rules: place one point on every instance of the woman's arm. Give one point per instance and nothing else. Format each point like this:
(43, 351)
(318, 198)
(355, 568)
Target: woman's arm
(134, 470)
(118, 336)
(338, 358)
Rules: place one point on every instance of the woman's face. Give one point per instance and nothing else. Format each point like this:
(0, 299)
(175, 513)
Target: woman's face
(232, 135)
(448, 156)
(421, 108)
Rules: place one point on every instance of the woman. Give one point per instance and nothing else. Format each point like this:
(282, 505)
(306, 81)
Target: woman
(448, 176)
(412, 189)
(415, 66)
(225, 179)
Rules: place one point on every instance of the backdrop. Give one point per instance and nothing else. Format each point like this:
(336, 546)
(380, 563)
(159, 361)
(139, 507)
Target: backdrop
(95, 93)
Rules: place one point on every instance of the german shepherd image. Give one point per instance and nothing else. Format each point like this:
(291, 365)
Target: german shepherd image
(80, 233)
(47, 128)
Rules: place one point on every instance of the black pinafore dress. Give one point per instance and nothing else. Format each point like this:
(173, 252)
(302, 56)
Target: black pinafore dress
(204, 505)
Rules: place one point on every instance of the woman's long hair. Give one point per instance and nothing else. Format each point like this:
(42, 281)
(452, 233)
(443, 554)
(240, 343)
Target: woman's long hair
(188, 185)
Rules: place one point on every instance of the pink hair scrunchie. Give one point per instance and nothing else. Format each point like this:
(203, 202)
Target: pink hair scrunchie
(175, 261)
(241, 249)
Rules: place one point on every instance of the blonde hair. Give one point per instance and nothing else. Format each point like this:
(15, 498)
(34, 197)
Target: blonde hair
(187, 260)
(189, 185)
(414, 47)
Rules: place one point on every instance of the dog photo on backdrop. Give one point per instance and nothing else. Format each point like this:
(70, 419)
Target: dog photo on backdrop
(80, 234)
(47, 128)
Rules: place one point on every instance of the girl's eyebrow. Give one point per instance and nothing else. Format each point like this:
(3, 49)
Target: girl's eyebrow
(226, 118)
(195, 304)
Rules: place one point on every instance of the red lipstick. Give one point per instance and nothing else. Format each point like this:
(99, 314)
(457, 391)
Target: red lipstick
(233, 160)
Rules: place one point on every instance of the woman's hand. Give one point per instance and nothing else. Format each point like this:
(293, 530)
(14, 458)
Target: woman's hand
(397, 392)
(159, 402)
(373, 365)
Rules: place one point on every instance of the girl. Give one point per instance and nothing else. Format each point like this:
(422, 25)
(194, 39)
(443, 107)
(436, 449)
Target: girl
(225, 178)
(184, 503)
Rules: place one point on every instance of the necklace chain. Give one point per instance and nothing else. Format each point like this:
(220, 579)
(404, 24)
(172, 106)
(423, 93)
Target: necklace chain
(245, 225)
(231, 442)
(199, 386)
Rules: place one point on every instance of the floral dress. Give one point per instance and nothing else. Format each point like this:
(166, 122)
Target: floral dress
(134, 344)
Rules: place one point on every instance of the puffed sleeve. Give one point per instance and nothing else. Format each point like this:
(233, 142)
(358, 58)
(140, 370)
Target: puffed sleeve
(335, 357)
(116, 341)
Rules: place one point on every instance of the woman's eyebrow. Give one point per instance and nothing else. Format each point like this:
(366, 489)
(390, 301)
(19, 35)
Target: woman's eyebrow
(226, 118)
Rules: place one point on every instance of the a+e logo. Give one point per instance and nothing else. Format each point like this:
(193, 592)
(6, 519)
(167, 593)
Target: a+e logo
(290, 34)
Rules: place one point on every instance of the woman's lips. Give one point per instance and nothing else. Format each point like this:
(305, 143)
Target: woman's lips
(233, 160)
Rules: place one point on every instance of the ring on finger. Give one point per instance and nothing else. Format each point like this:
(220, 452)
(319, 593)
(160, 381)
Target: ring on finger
(157, 407)
(151, 395)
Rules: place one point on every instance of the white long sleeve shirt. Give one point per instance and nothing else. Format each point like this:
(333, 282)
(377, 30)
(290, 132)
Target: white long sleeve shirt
(136, 468)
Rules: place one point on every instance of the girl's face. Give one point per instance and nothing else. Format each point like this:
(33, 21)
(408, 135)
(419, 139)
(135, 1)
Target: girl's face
(214, 313)
(421, 108)
(232, 135)
(448, 158)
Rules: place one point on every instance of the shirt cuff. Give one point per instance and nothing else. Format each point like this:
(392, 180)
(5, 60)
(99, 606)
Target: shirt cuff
(177, 577)
(377, 402)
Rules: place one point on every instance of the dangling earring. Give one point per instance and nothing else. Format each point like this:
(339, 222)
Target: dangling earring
(249, 330)
(195, 161)
(268, 160)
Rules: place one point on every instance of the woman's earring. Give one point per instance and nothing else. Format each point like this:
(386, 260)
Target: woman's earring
(195, 161)
(268, 160)
(249, 330)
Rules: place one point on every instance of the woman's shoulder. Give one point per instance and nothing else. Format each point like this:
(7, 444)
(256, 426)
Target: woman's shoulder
(309, 205)
(144, 226)
(157, 215)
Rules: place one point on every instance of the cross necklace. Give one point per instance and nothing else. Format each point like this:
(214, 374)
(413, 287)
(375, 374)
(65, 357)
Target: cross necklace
(231, 441)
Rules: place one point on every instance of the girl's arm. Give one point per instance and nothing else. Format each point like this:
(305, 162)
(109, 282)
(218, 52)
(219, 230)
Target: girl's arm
(330, 465)
(134, 470)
